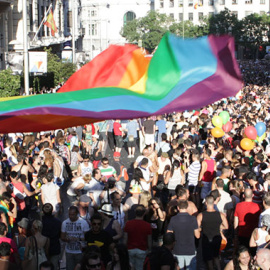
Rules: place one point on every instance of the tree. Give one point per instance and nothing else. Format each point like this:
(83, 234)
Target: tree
(9, 83)
(62, 71)
(190, 30)
(254, 30)
(150, 29)
(225, 22)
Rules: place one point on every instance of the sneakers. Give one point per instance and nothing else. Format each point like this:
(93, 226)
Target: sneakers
(129, 156)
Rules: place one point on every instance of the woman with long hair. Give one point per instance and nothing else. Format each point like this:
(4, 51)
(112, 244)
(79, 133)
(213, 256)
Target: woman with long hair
(177, 177)
(241, 261)
(156, 217)
(120, 259)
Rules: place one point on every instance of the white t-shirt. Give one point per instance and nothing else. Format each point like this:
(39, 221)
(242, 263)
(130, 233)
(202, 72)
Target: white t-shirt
(86, 169)
(74, 229)
(175, 179)
(73, 186)
(225, 202)
(146, 176)
(49, 192)
(96, 188)
(140, 158)
(162, 164)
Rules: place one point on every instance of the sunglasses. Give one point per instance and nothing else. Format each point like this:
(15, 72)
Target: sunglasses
(92, 266)
(96, 224)
(105, 163)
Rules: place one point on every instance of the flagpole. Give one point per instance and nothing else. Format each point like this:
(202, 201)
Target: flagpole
(73, 31)
(25, 49)
(41, 24)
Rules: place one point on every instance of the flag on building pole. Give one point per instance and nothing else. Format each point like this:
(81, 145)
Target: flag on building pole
(51, 23)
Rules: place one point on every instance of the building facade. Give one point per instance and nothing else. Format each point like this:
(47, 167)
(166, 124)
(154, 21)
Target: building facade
(195, 10)
(103, 20)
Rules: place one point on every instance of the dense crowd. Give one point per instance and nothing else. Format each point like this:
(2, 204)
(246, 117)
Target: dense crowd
(154, 193)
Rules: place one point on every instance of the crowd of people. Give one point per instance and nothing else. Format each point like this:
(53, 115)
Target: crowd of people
(153, 193)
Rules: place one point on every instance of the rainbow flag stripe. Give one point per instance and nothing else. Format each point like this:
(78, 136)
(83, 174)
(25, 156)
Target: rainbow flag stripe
(122, 83)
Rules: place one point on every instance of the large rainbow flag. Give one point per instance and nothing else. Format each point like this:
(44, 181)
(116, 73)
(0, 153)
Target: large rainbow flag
(122, 83)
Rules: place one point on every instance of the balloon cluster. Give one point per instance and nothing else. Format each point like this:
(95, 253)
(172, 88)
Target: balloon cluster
(251, 134)
(222, 124)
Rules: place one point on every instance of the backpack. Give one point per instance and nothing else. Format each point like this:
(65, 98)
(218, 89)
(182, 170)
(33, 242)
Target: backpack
(123, 174)
(151, 261)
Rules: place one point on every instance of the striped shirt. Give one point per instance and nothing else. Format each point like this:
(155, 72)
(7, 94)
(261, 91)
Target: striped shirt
(193, 174)
(107, 172)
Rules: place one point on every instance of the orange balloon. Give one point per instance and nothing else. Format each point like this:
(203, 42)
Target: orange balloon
(217, 132)
(247, 144)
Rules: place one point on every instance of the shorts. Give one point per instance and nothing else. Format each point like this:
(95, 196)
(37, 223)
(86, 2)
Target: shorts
(132, 143)
(149, 139)
(119, 141)
(210, 249)
(102, 136)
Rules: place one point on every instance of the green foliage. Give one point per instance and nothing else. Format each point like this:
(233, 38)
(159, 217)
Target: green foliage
(62, 71)
(254, 29)
(150, 29)
(9, 83)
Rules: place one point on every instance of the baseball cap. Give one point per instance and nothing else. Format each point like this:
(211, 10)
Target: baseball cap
(116, 154)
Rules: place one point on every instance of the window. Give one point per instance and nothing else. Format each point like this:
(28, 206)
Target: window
(172, 15)
(93, 29)
(190, 17)
(210, 2)
(180, 3)
(129, 16)
(180, 17)
(161, 4)
(234, 2)
(248, 1)
(93, 13)
(235, 13)
(171, 4)
(248, 13)
(262, 2)
(200, 14)
(210, 14)
(222, 2)
(190, 3)
(200, 3)
(262, 13)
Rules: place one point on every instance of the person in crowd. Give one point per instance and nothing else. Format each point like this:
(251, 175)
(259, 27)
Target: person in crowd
(242, 260)
(263, 258)
(110, 224)
(246, 217)
(50, 193)
(211, 223)
(5, 253)
(20, 238)
(185, 227)
(98, 236)
(49, 222)
(138, 238)
(73, 233)
(85, 167)
(37, 243)
(156, 217)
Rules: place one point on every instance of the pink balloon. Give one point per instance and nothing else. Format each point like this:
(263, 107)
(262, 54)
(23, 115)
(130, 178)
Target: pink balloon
(227, 127)
(251, 132)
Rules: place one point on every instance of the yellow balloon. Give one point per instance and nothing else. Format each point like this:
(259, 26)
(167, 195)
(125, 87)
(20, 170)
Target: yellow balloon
(260, 139)
(217, 132)
(217, 121)
(247, 144)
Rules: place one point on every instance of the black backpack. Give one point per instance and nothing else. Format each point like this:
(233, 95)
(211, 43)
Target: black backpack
(151, 261)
